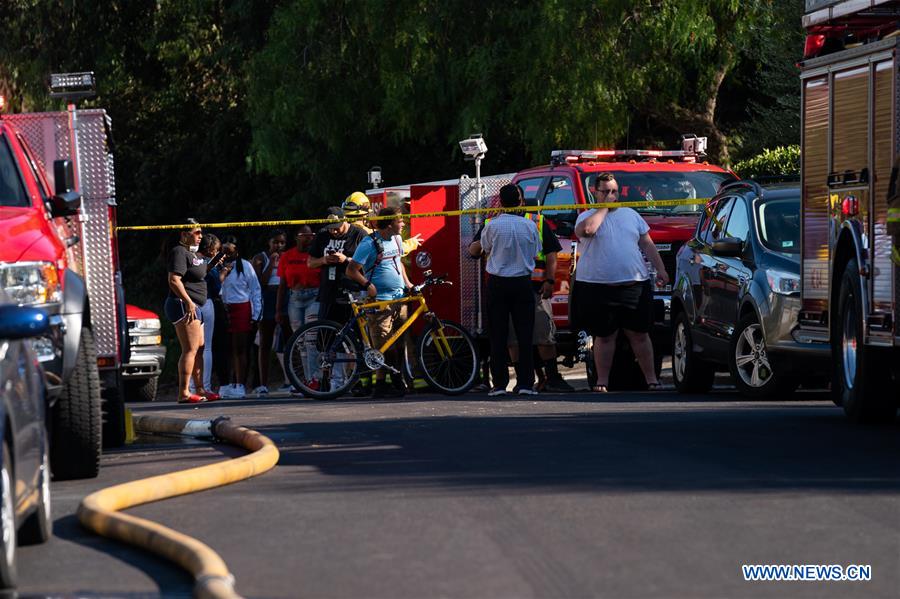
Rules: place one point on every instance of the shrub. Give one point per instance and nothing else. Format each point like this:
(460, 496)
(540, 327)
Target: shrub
(783, 161)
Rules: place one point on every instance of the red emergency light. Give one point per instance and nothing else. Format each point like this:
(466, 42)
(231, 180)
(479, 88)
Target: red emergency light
(814, 45)
(850, 206)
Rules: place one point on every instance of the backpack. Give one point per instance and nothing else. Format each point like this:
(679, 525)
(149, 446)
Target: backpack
(376, 238)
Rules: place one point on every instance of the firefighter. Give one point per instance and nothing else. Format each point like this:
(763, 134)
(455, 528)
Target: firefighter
(542, 280)
(357, 205)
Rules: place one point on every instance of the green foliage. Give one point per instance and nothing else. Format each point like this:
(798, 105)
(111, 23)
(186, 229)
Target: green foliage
(783, 160)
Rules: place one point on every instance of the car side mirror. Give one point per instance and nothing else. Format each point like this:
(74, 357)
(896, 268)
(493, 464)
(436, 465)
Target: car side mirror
(67, 201)
(19, 322)
(729, 247)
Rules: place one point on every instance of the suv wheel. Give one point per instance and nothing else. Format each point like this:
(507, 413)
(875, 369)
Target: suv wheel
(689, 372)
(751, 368)
(7, 522)
(38, 527)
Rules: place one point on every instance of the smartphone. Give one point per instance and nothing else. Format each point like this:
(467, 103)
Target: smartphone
(216, 259)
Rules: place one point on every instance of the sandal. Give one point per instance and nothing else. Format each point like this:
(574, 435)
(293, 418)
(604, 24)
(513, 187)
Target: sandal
(210, 396)
(192, 398)
(600, 389)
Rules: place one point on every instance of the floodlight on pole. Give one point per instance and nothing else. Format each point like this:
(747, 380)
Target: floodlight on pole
(374, 176)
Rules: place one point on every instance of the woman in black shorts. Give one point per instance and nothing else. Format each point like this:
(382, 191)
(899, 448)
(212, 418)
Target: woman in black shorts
(612, 287)
(187, 292)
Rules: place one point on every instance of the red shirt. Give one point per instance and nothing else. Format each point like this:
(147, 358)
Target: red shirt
(294, 270)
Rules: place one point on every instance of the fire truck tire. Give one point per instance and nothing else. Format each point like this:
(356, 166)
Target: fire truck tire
(448, 376)
(76, 419)
(8, 573)
(297, 352)
(113, 402)
(626, 373)
(142, 390)
(689, 373)
(38, 527)
(862, 373)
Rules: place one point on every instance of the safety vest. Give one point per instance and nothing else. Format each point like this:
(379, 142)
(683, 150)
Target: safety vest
(540, 227)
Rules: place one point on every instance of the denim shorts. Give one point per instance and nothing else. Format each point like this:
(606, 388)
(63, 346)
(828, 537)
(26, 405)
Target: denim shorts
(302, 307)
(175, 312)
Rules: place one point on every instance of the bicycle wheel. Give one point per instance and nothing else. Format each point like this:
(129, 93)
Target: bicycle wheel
(448, 357)
(320, 363)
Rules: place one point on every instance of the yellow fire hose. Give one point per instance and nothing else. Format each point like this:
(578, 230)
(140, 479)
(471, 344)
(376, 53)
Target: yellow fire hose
(100, 511)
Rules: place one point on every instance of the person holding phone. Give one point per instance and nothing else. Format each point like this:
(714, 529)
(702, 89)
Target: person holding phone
(210, 253)
(266, 266)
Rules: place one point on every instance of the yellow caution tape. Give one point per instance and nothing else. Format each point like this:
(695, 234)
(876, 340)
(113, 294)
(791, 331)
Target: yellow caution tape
(470, 211)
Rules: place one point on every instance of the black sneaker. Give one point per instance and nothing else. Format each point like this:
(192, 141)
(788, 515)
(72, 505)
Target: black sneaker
(558, 385)
(384, 391)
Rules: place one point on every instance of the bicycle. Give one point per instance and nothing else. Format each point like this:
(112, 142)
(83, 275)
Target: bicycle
(324, 359)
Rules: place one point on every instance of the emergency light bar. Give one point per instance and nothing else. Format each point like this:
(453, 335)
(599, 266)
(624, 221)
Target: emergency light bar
(72, 86)
(692, 147)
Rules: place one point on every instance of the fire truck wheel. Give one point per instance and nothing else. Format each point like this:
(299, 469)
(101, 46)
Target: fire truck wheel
(38, 527)
(76, 434)
(752, 369)
(862, 373)
(689, 373)
(7, 522)
(142, 390)
(626, 373)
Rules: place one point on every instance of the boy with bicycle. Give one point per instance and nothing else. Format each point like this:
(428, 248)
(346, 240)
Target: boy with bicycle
(377, 266)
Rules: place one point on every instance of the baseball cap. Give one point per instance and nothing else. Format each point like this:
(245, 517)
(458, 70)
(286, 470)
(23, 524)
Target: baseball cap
(334, 214)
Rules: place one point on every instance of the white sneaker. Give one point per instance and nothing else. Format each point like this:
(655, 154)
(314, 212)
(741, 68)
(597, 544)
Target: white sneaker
(496, 391)
(226, 391)
(261, 390)
(239, 392)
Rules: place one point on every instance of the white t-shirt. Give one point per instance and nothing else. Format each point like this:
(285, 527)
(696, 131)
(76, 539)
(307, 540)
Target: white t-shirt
(612, 255)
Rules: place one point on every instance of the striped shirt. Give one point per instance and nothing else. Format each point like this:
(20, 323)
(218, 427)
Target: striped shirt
(511, 243)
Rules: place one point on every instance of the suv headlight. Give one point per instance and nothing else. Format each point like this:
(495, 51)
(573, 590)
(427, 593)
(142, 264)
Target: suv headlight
(784, 283)
(31, 283)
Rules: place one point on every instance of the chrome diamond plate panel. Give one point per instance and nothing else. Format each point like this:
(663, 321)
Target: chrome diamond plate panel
(48, 136)
(471, 296)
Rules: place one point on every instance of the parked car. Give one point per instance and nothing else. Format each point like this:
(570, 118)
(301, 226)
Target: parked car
(736, 296)
(25, 470)
(147, 357)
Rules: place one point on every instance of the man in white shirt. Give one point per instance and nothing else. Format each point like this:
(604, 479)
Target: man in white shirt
(612, 283)
(511, 243)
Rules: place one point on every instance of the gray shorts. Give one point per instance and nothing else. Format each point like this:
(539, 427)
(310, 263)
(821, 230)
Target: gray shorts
(544, 327)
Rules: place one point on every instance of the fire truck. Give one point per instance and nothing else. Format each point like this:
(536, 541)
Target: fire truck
(643, 175)
(851, 201)
(59, 252)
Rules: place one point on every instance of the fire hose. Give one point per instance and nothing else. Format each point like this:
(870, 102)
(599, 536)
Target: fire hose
(101, 511)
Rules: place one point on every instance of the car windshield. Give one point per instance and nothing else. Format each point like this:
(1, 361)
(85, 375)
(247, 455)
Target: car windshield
(11, 191)
(778, 221)
(653, 187)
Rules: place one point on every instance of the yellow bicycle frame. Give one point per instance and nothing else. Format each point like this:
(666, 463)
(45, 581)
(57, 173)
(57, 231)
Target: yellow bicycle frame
(360, 311)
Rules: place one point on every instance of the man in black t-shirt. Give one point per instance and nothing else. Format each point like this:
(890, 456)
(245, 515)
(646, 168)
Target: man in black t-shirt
(543, 283)
(331, 251)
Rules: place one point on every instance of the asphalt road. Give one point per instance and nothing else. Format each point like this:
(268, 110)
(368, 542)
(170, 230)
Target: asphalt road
(620, 495)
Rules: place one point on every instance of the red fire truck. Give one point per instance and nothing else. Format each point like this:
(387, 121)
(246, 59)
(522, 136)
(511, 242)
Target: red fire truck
(851, 201)
(643, 176)
(59, 252)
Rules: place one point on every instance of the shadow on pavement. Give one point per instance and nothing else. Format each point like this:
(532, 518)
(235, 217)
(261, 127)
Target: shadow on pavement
(678, 449)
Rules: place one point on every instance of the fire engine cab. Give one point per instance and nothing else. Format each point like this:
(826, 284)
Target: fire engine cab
(850, 264)
(645, 176)
(58, 252)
